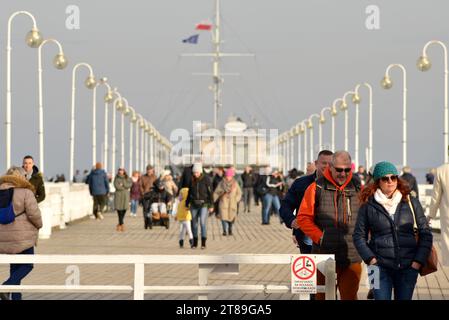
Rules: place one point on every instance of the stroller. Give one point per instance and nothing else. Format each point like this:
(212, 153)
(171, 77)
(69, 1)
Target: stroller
(156, 206)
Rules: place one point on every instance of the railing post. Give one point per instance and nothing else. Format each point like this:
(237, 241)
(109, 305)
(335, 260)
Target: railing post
(139, 281)
(329, 268)
(203, 273)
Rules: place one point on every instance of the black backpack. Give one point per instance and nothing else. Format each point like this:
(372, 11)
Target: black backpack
(7, 214)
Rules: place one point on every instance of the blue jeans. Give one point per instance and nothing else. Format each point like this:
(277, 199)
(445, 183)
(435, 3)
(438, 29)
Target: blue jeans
(17, 272)
(199, 215)
(227, 226)
(269, 200)
(134, 204)
(402, 281)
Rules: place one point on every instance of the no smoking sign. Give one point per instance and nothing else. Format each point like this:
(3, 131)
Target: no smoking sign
(303, 270)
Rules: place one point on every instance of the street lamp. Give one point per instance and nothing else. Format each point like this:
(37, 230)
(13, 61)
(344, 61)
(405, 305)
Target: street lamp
(304, 124)
(292, 147)
(108, 98)
(117, 106)
(310, 126)
(299, 132)
(370, 121)
(323, 121)
(334, 114)
(424, 65)
(344, 107)
(132, 120)
(387, 83)
(33, 40)
(124, 111)
(152, 131)
(90, 83)
(60, 62)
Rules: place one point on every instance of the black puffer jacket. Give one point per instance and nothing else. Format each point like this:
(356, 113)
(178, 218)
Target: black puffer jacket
(200, 193)
(392, 243)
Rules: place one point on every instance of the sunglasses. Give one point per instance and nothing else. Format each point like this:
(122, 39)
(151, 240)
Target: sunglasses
(390, 178)
(339, 170)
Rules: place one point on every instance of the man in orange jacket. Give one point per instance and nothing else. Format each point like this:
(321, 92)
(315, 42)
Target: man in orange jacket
(327, 215)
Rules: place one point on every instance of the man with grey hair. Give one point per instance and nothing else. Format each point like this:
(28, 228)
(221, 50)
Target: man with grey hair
(327, 215)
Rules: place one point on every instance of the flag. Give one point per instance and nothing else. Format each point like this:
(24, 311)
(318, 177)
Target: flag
(192, 39)
(203, 26)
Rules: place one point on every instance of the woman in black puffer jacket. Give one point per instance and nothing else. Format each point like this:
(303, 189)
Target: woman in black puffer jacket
(384, 234)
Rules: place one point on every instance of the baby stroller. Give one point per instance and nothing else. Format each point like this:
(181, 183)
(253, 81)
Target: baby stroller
(156, 206)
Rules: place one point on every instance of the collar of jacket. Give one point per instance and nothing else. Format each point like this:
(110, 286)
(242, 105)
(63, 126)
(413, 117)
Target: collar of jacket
(328, 177)
(376, 205)
(16, 182)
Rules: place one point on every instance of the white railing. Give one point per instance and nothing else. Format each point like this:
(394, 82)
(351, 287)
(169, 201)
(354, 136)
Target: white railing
(425, 197)
(218, 264)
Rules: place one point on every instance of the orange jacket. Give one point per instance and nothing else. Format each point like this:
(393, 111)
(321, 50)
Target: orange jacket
(306, 216)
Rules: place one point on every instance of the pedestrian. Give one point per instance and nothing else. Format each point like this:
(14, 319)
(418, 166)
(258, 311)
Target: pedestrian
(384, 233)
(155, 204)
(327, 215)
(77, 178)
(136, 196)
(310, 168)
(411, 181)
(122, 185)
(292, 176)
(184, 217)
(186, 177)
(363, 176)
(271, 198)
(228, 195)
(99, 189)
(200, 202)
(440, 202)
(249, 180)
(34, 177)
(291, 202)
(430, 176)
(170, 185)
(85, 174)
(19, 234)
(147, 180)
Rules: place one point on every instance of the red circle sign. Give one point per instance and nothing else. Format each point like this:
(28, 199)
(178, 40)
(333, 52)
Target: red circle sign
(304, 268)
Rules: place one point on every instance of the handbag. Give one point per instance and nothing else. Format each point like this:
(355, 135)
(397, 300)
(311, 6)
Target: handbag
(432, 260)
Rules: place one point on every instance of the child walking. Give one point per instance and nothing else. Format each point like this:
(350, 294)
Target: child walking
(184, 217)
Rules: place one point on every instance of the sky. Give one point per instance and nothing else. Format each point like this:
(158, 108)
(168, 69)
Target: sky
(307, 53)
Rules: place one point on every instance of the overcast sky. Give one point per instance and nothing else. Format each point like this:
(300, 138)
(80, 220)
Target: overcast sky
(307, 54)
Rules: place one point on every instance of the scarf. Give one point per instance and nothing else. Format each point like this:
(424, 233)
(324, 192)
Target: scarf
(135, 179)
(229, 186)
(389, 204)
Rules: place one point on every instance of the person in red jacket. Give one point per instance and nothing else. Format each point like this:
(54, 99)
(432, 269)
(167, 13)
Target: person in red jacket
(327, 215)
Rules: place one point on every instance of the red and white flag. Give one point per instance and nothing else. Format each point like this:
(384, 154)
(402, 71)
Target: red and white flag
(204, 26)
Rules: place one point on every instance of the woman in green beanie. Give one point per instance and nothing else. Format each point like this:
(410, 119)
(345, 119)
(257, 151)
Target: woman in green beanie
(384, 234)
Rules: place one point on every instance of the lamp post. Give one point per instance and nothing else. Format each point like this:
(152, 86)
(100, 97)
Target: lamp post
(152, 130)
(323, 121)
(137, 151)
(60, 62)
(370, 120)
(334, 114)
(90, 83)
(387, 83)
(292, 147)
(304, 123)
(424, 65)
(33, 40)
(108, 98)
(310, 126)
(124, 111)
(132, 120)
(344, 107)
(117, 106)
(299, 132)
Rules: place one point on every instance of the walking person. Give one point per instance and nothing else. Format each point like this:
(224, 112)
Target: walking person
(147, 180)
(384, 233)
(99, 189)
(184, 217)
(228, 195)
(34, 177)
(200, 202)
(291, 202)
(327, 215)
(271, 199)
(136, 196)
(122, 185)
(410, 179)
(19, 234)
(170, 185)
(249, 180)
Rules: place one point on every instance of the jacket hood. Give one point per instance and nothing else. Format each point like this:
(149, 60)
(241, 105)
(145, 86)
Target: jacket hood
(98, 172)
(184, 192)
(10, 181)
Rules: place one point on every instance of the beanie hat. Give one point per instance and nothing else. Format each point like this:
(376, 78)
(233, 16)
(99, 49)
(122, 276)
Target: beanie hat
(229, 172)
(383, 168)
(197, 167)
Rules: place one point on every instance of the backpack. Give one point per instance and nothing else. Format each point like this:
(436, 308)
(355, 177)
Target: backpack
(7, 214)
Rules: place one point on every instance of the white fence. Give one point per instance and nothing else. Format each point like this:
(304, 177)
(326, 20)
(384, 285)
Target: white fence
(221, 264)
(63, 203)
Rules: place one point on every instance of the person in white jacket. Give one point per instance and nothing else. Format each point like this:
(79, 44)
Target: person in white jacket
(440, 200)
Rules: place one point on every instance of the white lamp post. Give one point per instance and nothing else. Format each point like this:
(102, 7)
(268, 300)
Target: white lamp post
(117, 106)
(299, 132)
(292, 147)
(132, 120)
(370, 120)
(124, 111)
(90, 83)
(304, 123)
(344, 107)
(424, 65)
(108, 98)
(152, 130)
(310, 126)
(34, 40)
(387, 84)
(60, 62)
(334, 114)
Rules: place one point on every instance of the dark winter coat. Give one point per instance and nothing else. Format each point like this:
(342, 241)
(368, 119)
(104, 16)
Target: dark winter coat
(98, 182)
(249, 180)
(37, 182)
(200, 193)
(412, 183)
(392, 242)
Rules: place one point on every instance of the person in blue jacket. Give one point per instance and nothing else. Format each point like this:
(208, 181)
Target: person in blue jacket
(99, 189)
(293, 198)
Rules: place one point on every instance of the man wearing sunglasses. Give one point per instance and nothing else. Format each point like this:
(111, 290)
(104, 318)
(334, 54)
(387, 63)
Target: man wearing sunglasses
(327, 215)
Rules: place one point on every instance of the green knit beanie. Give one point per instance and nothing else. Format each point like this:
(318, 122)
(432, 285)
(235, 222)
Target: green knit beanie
(383, 168)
